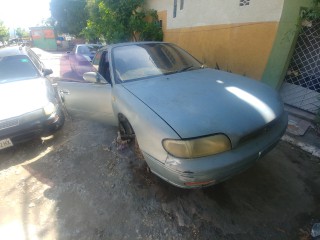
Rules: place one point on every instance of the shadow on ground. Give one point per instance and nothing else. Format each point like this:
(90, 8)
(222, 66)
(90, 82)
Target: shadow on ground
(85, 188)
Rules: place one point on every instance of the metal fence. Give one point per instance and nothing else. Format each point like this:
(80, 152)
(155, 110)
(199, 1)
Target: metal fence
(301, 87)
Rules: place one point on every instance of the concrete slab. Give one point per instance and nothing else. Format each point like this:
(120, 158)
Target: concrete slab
(297, 126)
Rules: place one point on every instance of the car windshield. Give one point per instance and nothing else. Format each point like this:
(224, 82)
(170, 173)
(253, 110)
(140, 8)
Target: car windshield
(16, 67)
(148, 60)
(88, 49)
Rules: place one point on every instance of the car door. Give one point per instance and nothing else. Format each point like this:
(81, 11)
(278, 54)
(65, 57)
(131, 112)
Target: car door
(88, 100)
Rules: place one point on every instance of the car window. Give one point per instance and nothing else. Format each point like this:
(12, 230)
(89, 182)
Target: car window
(93, 48)
(104, 67)
(88, 49)
(97, 58)
(17, 67)
(147, 60)
(83, 50)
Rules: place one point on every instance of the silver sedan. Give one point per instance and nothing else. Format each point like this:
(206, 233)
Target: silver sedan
(195, 126)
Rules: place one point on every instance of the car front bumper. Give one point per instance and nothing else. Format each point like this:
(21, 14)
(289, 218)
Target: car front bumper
(207, 171)
(29, 126)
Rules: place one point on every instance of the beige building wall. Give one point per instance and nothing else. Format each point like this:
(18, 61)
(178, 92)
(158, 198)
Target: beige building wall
(222, 33)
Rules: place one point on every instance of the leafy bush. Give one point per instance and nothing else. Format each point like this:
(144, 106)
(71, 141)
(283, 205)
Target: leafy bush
(312, 13)
(122, 20)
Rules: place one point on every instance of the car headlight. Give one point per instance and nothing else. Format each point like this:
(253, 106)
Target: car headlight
(199, 147)
(49, 108)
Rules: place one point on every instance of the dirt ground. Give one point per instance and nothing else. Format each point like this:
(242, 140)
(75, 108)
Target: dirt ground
(78, 185)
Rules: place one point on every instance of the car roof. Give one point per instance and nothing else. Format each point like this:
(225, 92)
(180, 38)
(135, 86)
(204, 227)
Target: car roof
(13, 51)
(132, 43)
(89, 44)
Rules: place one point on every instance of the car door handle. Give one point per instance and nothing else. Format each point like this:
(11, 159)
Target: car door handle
(65, 91)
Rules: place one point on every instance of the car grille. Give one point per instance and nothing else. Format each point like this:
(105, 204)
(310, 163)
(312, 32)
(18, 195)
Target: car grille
(9, 123)
(255, 134)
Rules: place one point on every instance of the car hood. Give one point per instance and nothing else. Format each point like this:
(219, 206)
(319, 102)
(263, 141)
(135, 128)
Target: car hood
(20, 97)
(206, 101)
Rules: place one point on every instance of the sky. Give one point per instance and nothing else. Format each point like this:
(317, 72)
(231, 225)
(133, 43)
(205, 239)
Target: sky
(24, 13)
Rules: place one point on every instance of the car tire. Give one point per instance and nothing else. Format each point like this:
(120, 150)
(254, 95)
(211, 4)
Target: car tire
(125, 129)
(127, 133)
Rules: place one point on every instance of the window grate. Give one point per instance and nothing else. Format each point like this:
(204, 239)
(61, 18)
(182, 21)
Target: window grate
(301, 86)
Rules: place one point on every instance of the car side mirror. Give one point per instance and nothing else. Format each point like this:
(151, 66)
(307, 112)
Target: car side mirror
(47, 71)
(92, 77)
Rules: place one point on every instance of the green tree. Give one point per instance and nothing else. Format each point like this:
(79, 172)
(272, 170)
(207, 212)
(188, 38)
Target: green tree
(94, 29)
(4, 32)
(21, 33)
(312, 13)
(49, 22)
(122, 20)
(70, 15)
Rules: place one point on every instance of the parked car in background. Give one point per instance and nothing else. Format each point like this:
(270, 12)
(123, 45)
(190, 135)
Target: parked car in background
(194, 126)
(59, 40)
(81, 57)
(28, 102)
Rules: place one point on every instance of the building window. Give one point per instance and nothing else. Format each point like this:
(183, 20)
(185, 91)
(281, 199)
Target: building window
(244, 2)
(181, 4)
(175, 8)
(160, 24)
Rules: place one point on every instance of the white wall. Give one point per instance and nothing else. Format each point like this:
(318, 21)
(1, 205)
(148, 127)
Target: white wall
(216, 12)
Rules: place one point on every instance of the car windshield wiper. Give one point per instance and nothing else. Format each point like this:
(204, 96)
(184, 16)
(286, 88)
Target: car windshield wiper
(182, 70)
(186, 68)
